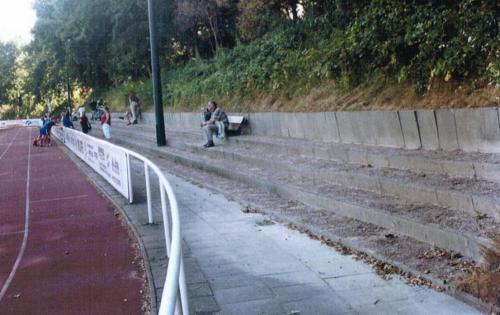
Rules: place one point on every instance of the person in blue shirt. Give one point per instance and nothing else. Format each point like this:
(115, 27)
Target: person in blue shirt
(44, 137)
(66, 121)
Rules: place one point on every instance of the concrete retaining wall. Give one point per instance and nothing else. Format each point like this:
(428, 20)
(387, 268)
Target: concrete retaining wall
(470, 130)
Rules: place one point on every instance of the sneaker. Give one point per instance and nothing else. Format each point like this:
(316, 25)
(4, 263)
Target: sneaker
(134, 122)
(209, 144)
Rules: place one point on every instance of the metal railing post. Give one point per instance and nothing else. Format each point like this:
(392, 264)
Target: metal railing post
(148, 193)
(175, 262)
(129, 175)
(166, 221)
(183, 288)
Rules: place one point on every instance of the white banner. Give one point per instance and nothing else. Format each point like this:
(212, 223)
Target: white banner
(107, 160)
(21, 122)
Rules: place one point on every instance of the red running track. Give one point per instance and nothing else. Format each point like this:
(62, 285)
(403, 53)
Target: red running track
(62, 250)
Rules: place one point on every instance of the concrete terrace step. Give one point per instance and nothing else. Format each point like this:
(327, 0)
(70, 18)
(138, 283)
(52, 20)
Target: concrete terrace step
(483, 166)
(473, 197)
(418, 222)
(466, 195)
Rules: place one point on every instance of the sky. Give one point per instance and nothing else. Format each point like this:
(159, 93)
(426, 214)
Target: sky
(16, 20)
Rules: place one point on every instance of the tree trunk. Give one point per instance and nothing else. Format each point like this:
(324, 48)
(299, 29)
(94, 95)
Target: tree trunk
(150, 74)
(197, 55)
(214, 29)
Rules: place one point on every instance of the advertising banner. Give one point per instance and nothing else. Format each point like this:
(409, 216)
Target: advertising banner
(37, 122)
(107, 160)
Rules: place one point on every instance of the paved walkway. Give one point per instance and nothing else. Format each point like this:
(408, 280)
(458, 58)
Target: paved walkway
(62, 249)
(240, 263)
(253, 266)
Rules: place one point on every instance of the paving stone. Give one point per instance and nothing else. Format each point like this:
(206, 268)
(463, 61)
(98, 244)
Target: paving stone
(326, 304)
(263, 307)
(374, 295)
(199, 289)
(194, 277)
(227, 269)
(203, 305)
(233, 281)
(393, 308)
(298, 292)
(305, 278)
(242, 294)
(335, 268)
(353, 282)
(269, 268)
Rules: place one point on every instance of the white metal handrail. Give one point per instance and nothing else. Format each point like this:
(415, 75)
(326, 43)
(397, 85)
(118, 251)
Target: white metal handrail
(174, 298)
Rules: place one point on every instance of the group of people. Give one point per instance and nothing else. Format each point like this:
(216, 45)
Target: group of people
(214, 122)
(67, 121)
(105, 119)
(97, 108)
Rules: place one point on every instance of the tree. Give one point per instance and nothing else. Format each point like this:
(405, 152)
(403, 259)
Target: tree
(8, 55)
(211, 21)
(257, 17)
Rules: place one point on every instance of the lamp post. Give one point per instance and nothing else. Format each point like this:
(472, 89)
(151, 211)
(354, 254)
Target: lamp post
(69, 90)
(155, 69)
(68, 84)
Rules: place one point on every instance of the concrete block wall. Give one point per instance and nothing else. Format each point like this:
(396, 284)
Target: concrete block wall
(470, 130)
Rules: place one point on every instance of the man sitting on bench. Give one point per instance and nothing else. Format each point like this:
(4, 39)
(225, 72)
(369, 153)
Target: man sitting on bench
(217, 124)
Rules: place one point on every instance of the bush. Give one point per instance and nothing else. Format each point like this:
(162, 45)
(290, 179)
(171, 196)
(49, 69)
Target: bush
(117, 98)
(414, 42)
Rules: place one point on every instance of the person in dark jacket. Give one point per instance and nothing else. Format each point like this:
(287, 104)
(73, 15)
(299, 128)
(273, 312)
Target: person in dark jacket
(67, 120)
(135, 108)
(217, 124)
(85, 123)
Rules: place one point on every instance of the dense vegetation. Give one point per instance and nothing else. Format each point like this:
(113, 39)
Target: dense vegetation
(235, 49)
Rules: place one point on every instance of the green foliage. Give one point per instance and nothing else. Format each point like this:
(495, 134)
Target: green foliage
(8, 55)
(233, 49)
(351, 43)
(117, 98)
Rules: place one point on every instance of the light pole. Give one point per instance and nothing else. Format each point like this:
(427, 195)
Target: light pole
(69, 90)
(155, 69)
(68, 85)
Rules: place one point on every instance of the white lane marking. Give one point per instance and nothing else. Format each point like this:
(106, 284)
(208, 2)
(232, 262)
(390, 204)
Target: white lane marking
(26, 227)
(11, 233)
(11, 141)
(58, 199)
(10, 180)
